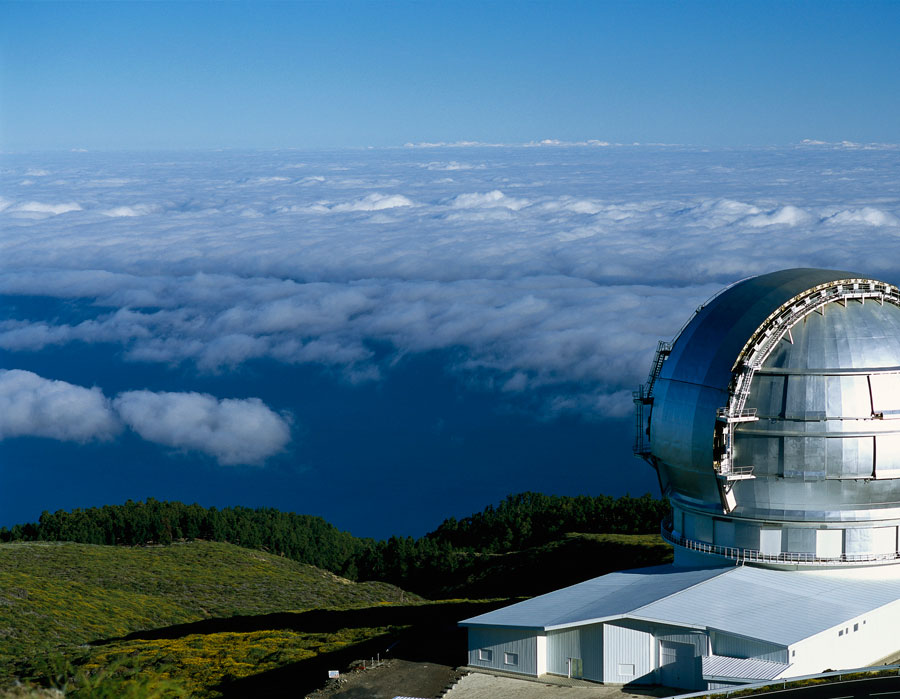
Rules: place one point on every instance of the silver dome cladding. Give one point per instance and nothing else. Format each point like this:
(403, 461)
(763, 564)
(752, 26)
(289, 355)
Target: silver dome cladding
(694, 380)
(826, 445)
(793, 377)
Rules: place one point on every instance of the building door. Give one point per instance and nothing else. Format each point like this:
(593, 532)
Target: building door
(575, 667)
(676, 664)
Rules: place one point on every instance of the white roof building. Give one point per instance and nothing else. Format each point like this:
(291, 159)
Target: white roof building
(694, 628)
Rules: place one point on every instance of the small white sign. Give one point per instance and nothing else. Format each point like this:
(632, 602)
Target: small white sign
(333, 674)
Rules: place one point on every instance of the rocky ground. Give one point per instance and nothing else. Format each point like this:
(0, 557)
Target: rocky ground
(402, 678)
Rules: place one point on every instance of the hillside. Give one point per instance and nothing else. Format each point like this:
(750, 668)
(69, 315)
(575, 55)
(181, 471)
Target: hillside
(57, 596)
(568, 560)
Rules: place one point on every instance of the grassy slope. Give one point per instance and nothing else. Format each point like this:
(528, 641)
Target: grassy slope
(57, 594)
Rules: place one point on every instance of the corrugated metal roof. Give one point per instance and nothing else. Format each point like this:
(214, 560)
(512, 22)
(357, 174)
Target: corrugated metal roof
(609, 595)
(723, 667)
(781, 607)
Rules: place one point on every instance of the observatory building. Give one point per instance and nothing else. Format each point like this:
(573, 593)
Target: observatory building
(773, 423)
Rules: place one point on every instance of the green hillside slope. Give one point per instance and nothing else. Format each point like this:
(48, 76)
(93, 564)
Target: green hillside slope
(57, 596)
(60, 593)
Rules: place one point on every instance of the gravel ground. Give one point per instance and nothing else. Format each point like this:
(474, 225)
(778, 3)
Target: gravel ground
(430, 680)
(392, 678)
(478, 685)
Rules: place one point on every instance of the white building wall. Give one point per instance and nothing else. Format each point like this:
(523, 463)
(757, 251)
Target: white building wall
(510, 650)
(627, 654)
(628, 639)
(869, 540)
(562, 645)
(829, 543)
(584, 643)
(698, 639)
(592, 652)
(770, 541)
(541, 654)
(855, 643)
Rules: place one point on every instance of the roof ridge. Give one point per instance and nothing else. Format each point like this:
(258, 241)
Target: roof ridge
(724, 571)
(636, 581)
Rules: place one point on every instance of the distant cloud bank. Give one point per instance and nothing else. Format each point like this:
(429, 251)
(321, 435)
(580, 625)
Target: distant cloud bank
(546, 273)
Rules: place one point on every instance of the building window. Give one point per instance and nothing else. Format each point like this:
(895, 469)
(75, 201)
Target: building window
(485, 654)
(510, 658)
(793, 654)
(856, 627)
(841, 632)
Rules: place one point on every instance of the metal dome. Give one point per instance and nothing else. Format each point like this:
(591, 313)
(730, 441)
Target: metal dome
(773, 421)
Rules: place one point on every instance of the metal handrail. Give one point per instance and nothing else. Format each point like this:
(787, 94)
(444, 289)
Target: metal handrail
(741, 555)
(744, 412)
(735, 470)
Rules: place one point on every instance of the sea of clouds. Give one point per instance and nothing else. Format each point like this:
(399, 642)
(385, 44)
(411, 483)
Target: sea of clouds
(545, 273)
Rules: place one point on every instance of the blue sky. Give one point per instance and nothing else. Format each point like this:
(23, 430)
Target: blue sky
(211, 290)
(350, 74)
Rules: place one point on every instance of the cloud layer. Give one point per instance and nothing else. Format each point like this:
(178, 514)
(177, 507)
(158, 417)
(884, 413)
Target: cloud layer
(232, 431)
(545, 272)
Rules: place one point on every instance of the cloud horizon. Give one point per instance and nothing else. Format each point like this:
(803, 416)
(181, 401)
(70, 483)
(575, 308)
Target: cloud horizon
(546, 280)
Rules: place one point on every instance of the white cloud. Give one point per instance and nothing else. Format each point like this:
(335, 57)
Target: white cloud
(136, 210)
(487, 200)
(233, 431)
(785, 216)
(544, 270)
(32, 406)
(270, 179)
(558, 143)
(868, 215)
(370, 202)
(453, 144)
(36, 207)
(374, 202)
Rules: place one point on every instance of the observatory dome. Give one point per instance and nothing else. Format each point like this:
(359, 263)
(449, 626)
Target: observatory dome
(773, 422)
